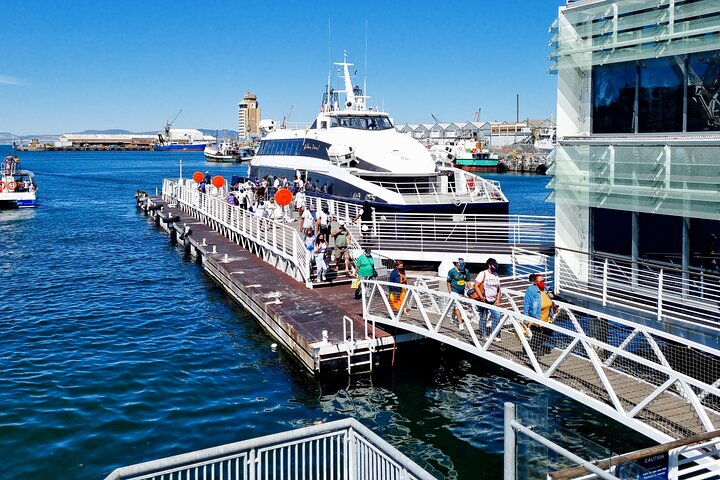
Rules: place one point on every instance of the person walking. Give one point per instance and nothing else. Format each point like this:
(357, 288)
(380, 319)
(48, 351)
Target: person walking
(364, 270)
(487, 289)
(457, 279)
(397, 294)
(538, 304)
(340, 248)
(319, 252)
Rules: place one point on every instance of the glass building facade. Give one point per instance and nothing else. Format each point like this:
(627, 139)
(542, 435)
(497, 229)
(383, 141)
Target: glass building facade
(637, 169)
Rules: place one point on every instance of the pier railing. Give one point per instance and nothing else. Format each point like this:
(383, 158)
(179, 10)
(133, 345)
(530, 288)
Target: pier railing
(283, 240)
(663, 385)
(436, 237)
(662, 292)
(339, 450)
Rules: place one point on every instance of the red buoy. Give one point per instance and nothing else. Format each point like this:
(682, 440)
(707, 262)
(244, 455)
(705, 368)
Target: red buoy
(283, 197)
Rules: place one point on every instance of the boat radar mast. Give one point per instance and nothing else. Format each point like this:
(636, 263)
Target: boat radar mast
(354, 98)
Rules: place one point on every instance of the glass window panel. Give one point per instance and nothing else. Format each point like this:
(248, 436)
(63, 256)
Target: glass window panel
(612, 231)
(704, 245)
(661, 95)
(702, 92)
(661, 238)
(613, 97)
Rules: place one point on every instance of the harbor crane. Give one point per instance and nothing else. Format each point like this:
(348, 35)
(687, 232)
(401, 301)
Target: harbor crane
(169, 124)
(435, 118)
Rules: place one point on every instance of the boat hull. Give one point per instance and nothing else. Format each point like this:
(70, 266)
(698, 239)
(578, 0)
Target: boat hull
(339, 191)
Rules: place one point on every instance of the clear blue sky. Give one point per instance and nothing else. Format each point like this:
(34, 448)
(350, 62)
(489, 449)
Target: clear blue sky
(75, 65)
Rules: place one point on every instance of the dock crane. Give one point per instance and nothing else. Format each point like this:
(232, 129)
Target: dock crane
(168, 124)
(287, 117)
(435, 118)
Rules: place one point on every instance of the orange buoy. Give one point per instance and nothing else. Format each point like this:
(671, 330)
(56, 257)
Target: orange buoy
(218, 181)
(198, 177)
(471, 183)
(11, 186)
(283, 197)
(2, 186)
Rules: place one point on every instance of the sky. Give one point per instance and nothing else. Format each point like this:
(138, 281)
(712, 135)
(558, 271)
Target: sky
(76, 65)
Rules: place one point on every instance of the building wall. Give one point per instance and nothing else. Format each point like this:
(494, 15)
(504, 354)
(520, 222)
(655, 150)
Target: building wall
(248, 117)
(638, 123)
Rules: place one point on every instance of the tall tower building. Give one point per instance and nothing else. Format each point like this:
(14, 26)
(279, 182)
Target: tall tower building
(248, 117)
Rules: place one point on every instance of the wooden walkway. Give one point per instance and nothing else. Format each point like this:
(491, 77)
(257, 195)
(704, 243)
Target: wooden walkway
(669, 413)
(293, 314)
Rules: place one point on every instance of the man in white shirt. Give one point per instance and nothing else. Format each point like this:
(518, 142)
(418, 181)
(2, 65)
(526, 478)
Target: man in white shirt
(307, 220)
(487, 287)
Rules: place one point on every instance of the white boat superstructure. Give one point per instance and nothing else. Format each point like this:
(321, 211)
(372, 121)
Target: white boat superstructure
(353, 153)
(17, 187)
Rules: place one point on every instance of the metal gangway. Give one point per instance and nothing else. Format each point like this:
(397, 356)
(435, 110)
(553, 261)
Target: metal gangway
(660, 384)
(343, 449)
(438, 237)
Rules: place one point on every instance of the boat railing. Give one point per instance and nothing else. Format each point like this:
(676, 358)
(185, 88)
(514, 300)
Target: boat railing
(655, 291)
(282, 240)
(343, 449)
(467, 188)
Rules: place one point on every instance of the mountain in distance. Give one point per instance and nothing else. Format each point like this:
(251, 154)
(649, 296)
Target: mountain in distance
(7, 138)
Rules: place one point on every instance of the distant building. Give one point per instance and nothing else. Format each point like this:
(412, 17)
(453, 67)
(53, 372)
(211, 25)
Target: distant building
(492, 134)
(105, 140)
(248, 117)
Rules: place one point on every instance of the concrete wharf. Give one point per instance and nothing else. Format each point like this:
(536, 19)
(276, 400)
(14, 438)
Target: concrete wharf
(323, 328)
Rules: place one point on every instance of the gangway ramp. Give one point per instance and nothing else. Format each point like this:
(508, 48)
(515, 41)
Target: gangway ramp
(659, 384)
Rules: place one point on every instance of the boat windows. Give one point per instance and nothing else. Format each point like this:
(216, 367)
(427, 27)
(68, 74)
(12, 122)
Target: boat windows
(363, 123)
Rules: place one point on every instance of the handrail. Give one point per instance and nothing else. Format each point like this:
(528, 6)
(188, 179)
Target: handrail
(344, 449)
(281, 239)
(611, 350)
(664, 293)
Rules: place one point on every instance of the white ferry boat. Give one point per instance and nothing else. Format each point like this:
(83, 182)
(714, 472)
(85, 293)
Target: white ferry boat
(17, 187)
(352, 153)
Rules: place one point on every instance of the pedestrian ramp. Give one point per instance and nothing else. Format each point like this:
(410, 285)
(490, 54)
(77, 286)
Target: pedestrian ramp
(657, 383)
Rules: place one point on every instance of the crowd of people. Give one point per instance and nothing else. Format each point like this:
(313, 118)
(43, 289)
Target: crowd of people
(329, 251)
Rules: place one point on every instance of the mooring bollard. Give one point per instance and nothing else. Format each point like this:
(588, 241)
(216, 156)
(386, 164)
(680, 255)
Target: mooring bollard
(204, 244)
(214, 249)
(325, 336)
(226, 258)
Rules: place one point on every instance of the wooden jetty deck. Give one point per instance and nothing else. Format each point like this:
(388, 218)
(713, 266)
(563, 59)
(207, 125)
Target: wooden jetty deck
(307, 322)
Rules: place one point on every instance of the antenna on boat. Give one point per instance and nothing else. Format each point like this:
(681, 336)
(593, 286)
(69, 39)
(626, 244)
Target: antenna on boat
(327, 101)
(366, 55)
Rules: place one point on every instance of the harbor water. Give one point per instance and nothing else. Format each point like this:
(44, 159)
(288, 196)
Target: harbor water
(116, 349)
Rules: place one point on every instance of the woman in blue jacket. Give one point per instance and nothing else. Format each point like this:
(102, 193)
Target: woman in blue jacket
(538, 304)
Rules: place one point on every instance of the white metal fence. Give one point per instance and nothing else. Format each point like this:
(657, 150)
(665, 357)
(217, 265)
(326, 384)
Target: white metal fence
(433, 237)
(663, 292)
(282, 240)
(695, 457)
(663, 385)
(340, 450)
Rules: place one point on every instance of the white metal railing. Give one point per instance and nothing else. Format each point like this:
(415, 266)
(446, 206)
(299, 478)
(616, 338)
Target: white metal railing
(461, 187)
(663, 385)
(694, 457)
(419, 234)
(281, 239)
(339, 450)
(660, 292)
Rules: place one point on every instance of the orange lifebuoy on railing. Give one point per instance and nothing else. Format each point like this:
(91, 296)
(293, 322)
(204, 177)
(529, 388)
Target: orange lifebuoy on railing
(2, 186)
(11, 186)
(471, 183)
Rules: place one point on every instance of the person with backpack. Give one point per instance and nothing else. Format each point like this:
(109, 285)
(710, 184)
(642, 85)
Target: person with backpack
(487, 290)
(457, 278)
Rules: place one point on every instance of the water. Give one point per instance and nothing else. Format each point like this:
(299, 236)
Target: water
(114, 349)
